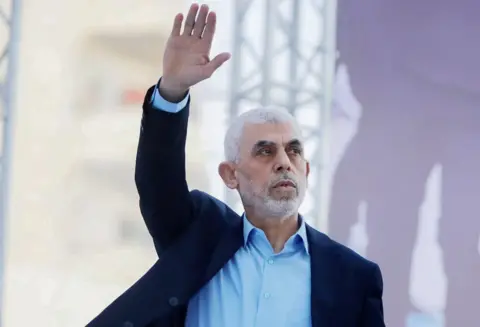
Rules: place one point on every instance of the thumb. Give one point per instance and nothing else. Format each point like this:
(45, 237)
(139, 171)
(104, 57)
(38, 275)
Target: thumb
(216, 62)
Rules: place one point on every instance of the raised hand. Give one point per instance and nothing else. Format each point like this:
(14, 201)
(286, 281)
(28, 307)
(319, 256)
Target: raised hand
(186, 59)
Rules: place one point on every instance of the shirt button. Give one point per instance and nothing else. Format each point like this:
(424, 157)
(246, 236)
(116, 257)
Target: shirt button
(266, 295)
(270, 261)
(173, 301)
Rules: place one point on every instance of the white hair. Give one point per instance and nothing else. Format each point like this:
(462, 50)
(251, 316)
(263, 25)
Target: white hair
(262, 115)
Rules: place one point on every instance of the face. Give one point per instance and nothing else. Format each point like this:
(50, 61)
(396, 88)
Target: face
(272, 171)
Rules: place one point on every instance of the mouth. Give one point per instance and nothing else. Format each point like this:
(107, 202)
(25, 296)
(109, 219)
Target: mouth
(285, 184)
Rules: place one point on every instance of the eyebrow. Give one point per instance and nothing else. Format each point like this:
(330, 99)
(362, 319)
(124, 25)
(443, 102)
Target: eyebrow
(295, 143)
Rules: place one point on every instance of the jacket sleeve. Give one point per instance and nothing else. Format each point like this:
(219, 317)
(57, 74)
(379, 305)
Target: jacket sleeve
(165, 201)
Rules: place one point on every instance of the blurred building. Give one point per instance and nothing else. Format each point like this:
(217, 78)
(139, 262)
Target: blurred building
(76, 238)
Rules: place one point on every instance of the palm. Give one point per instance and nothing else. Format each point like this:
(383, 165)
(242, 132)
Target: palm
(186, 59)
(186, 56)
(189, 43)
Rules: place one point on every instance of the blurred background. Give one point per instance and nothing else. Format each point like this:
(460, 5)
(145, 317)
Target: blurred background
(387, 92)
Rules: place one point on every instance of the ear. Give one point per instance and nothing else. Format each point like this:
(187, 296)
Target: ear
(307, 171)
(226, 170)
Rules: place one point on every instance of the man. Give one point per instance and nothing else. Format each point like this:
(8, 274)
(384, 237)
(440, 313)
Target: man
(266, 268)
(413, 66)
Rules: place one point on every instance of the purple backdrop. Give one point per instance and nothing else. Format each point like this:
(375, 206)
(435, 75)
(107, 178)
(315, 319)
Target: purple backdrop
(413, 66)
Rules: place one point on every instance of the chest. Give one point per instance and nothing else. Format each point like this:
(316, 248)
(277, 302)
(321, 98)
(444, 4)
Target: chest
(256, 288)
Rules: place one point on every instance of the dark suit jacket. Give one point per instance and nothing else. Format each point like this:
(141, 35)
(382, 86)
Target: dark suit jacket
(196, 234)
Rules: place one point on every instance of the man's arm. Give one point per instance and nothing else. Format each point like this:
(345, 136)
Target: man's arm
(160, 169)
(165, 200)
(372, 315)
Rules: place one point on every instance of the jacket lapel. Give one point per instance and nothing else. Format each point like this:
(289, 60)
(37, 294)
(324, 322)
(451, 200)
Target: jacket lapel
(228, 244)
(326, 286)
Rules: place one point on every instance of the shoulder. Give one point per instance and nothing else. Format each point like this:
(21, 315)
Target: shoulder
(208, 207)
(346, 261)
(351, 259)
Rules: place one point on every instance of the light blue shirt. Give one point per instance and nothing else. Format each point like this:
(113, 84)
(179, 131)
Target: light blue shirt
(257, 287)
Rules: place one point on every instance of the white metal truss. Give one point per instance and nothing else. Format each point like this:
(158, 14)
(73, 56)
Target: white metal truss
(9, 16)
(284, 55)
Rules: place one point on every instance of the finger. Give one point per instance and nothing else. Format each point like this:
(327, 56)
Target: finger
(215, 63)
(177, 25)
(210, 27)
(201, 21)
(190, 21)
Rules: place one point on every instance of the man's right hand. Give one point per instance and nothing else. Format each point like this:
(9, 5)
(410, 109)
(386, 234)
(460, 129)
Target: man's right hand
(186, 60)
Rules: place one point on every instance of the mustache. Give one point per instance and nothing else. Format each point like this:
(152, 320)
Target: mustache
(283, 178)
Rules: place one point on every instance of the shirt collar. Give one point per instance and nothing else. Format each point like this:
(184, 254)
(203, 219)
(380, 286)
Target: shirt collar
(301, 232)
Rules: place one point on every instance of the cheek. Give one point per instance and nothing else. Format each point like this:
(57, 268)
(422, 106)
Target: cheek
(301, 167)
(254, 183)
(257, 173)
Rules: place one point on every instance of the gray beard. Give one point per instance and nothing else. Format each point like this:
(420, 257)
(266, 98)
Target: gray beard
(269, 207)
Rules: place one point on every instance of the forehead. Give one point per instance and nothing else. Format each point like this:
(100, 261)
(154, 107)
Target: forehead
(278, 133)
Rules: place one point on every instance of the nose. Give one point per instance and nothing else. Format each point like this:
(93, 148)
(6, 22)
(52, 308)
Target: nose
(282, 162)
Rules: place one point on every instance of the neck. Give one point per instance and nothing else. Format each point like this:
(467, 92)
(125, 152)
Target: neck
(278, 230)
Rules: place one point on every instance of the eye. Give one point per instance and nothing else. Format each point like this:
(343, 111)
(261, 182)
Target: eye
(265, 152)
(296, 151)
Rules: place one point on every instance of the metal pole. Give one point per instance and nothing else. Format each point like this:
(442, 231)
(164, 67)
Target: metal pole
(328, 68)
(293, 41)
(10, 54)
(241, 8)
(266, 85)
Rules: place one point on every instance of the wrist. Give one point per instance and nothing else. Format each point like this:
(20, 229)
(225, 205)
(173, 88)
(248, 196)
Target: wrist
(171, 91)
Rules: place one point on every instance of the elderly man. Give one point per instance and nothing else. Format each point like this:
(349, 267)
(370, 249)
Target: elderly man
(266, 268)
